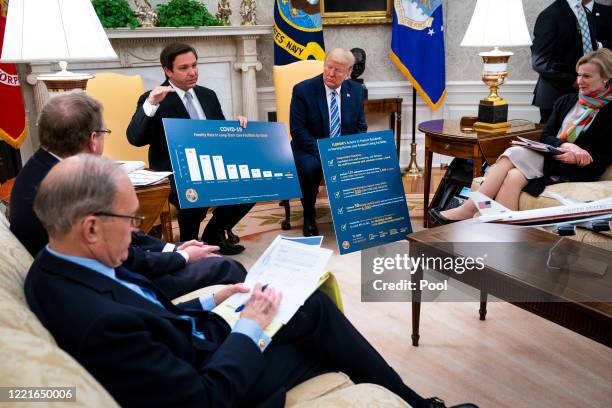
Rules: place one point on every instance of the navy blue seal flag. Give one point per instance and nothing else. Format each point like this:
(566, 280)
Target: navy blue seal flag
(417, 47)
(298, 33)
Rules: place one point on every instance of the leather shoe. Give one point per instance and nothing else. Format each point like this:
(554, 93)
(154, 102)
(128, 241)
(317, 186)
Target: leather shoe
(225, 247)
(310, 228)
(439, 218)
(231, 237)
(436, 402)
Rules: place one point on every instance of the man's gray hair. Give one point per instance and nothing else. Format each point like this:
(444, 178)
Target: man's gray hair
(78, 186)
(342, 56)
(67, 121)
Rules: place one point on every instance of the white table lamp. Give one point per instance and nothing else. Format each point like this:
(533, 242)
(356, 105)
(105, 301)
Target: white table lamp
(496, 23)
(55, 31)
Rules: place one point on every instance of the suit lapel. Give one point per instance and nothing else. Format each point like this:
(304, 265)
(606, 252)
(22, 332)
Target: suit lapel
(206, 105)
(345, 98)
(169, 310)
(321, 97)
(121, 294)
(177, 105)
(140, 280)
(98, 282)
(173, 102)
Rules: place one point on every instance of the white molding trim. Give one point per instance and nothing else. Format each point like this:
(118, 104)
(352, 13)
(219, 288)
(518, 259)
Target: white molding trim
(212, 31)
(461, 100)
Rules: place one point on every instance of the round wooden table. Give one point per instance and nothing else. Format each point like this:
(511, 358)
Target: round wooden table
(447, 137)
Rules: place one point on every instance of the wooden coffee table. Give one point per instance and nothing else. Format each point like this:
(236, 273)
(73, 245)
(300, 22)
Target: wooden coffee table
(525, 274)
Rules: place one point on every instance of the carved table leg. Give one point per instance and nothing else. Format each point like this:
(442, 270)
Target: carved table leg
(483, 305)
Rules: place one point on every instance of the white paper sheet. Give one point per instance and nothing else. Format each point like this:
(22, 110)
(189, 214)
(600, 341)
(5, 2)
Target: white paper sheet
(146, 177)
(290, 267)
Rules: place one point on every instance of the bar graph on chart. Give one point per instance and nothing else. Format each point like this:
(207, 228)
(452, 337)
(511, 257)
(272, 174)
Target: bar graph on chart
(202, 168)
(221, 163)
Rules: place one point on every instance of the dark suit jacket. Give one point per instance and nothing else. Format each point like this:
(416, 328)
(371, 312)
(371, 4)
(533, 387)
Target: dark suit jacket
(309, 115)
(144, 130)
(30, 232)
(557, 47)
(603, 24)
(595, 140)
(144, 355)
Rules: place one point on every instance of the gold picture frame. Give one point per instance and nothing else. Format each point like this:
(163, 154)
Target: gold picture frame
(356, 17)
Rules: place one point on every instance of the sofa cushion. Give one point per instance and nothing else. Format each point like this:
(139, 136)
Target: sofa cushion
(28, 360)
(356, 396)
(607, 174)
(584, 191)
(594, 190)
(316, 387)
(205, 291)
(15, 262)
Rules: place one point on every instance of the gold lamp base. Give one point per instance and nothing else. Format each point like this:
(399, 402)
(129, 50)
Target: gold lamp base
(493, 109)
(483, 127)
(64, 80)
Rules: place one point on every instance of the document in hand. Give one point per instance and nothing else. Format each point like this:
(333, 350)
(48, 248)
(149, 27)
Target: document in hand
(537, 146)
(293, 268)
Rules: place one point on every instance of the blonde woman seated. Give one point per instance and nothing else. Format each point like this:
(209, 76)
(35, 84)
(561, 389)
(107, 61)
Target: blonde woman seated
(580, 125)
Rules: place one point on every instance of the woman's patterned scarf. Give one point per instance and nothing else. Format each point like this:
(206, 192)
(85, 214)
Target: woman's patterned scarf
(589, 108)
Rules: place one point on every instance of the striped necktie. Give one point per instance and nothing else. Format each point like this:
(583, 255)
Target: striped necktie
(587, 46)
(191, 110)
(334, 114)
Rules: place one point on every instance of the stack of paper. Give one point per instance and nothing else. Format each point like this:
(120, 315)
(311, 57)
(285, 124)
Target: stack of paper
(146, 177)
(293, 268)
(131, 165)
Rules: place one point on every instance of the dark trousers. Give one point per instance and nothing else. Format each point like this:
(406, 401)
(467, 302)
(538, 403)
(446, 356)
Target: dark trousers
(198, 274)
(545, 114)
(318, 339)
(224, 217)
(310, 175)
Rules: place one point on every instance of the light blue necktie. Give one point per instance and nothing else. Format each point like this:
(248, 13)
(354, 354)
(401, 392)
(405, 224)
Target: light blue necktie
(191, 110)
(334, 123)
(150, 295)
(587, 46)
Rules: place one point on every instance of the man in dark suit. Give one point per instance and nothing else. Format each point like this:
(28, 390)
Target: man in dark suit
(180, 97)
(557, 46)
(148, 352)
(72, 123)
(603, 24)
(324, 106)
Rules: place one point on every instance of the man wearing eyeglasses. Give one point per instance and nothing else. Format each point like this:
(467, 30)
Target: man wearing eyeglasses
(147, 351)
(72, 123)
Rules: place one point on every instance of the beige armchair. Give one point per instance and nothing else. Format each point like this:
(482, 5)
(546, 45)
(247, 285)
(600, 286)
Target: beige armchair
(118, 94)
(30, 356)
(285, 78)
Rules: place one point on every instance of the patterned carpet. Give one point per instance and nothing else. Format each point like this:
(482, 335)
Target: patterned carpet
(269, 216)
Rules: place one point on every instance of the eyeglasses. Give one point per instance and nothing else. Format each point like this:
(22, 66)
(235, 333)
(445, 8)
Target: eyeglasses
(103, 131)
(135, 220)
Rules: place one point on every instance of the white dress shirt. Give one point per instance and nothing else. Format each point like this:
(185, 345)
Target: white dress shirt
(150, 110)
